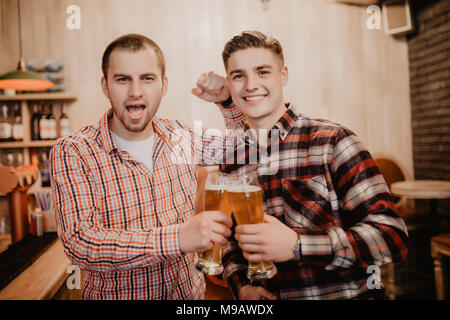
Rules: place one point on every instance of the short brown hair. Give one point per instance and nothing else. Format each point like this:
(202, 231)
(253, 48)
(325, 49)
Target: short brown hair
(133, 42)
(251, 39)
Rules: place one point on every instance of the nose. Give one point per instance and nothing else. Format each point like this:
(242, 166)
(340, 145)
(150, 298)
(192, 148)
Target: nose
(251, 83)
(135, 89)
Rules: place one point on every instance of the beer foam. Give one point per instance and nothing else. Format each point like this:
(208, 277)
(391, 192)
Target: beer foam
(244, 189)
(215, 187)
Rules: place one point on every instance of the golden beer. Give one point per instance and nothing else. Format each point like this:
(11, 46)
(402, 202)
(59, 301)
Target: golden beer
(247, 204)
(216, 199)
(248, 208)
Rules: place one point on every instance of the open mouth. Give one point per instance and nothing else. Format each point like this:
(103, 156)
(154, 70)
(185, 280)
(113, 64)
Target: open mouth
(135, 111)
(255, 98)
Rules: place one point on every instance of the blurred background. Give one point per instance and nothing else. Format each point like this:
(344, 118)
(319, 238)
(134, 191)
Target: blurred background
(381, 68)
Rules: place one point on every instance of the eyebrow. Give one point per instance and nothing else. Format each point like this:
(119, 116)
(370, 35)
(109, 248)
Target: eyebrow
(117, 75)
(264, 66)
(236, 71)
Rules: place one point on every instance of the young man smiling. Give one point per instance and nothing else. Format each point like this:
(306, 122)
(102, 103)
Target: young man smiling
(124, 207)
(328, 212)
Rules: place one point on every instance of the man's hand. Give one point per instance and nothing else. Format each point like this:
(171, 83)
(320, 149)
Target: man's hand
(255, 293)
(212, 88)
(271, 240)
(203, 230)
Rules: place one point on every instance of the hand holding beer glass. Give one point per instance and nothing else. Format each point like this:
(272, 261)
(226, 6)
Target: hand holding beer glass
(246, 199)
(215, 198)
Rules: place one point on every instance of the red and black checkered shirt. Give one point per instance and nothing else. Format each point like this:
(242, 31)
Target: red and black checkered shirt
(328, 189)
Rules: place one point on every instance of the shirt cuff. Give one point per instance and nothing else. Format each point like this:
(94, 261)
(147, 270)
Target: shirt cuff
(231, 114)
(167, 241)
(315, 246)
(227, 102)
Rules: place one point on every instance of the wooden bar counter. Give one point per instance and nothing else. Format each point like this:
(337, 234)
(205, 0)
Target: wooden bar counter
(42, 279)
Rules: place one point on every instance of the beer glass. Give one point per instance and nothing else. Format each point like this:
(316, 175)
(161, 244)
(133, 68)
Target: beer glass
(246, 200)
(215, 198)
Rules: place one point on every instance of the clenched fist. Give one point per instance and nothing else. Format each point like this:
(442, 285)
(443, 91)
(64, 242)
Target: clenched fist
(212, 87)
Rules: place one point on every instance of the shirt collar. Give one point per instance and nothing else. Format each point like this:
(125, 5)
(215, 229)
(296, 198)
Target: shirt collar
(284, 124)
(106, 139)
(287, 121)
(108, 142)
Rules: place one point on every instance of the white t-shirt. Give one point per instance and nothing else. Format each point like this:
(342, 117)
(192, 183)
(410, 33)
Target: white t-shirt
(140, 150)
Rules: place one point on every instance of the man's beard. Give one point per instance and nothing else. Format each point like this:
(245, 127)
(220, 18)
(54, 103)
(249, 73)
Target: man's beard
(133, 127)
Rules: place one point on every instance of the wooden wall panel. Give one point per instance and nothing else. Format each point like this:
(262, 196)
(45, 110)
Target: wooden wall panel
(9, 36)
(339, 70)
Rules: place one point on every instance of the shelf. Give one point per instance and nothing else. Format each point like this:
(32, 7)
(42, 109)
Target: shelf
(27, 144)
(39, 96)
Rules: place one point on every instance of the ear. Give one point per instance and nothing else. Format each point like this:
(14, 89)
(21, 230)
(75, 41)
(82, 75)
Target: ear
(165, 86)
(284, 75)
(105, 87)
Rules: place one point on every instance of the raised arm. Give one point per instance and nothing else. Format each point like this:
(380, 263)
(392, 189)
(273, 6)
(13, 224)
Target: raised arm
(212, 87)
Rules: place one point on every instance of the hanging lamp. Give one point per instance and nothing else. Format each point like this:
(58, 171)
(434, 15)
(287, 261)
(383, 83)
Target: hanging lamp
(23, 79)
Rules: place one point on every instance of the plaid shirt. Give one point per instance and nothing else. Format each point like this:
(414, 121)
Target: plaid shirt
(118, 221)
(328, 189)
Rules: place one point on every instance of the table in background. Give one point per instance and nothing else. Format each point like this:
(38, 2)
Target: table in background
(431, 190)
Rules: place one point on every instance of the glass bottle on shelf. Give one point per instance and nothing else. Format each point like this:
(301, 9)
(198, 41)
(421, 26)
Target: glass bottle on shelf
(5, 125)
(43, 127)
(7, 158)
(51, 124)
(64, 123)
(17, 158)
(17, 131)
(10, 159)
(35, 133)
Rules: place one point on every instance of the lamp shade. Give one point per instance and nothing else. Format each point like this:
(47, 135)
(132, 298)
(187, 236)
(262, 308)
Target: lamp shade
(25, 81)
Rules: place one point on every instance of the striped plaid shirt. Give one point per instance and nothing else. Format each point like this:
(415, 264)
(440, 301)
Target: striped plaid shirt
(328, 189)
(118, 221)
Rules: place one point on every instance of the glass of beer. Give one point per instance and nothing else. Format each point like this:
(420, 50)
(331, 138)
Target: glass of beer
(215, 198)
(246, 200)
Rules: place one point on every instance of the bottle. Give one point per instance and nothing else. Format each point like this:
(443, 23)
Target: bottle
(5, 126)
(51, 124)
(17, 131)
(64, 123)
(10, 161)
(43, 124)
(35, 135)
(17, 158)
(45, 173)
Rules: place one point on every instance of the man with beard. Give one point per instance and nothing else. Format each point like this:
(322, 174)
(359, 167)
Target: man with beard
(124, 188)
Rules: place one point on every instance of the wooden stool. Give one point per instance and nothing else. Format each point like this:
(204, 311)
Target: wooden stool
(440, 247)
